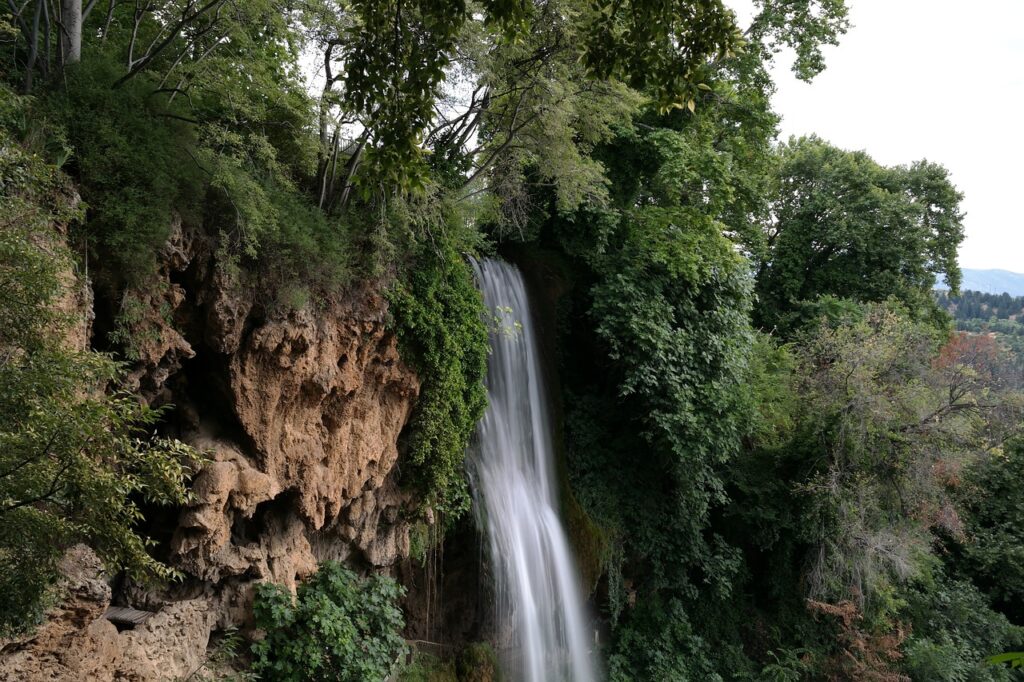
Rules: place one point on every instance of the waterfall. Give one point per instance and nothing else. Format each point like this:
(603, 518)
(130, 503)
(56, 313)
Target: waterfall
(540, 604)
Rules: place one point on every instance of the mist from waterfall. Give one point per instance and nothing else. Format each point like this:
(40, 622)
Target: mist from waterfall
(543, 626)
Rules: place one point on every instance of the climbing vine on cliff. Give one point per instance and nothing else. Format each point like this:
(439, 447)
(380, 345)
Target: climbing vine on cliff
(438, 314)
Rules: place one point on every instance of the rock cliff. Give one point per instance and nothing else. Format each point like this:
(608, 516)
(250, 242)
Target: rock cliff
(300, 415)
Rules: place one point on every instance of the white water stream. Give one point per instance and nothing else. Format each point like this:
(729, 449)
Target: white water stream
(540, 605)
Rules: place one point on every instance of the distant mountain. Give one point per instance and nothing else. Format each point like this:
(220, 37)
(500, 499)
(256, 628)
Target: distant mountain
(989, 282)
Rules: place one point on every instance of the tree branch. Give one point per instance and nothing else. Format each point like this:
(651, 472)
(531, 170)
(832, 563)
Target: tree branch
(135, 66)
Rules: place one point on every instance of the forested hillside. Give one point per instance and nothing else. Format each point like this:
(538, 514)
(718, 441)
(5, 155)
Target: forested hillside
(243, 353)
(974, 305)
(995, 316)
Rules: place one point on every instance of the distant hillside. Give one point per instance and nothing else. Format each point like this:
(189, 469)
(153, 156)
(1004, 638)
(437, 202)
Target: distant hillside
(976, 307)
(990, 282)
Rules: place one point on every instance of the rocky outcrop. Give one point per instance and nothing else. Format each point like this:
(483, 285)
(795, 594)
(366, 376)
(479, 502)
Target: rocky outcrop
(322, 400)
(300, 416)
(147, 317)
(77, 643)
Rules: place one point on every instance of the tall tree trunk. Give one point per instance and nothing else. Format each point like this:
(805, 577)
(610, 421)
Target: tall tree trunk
(33, 46)
(71, 31)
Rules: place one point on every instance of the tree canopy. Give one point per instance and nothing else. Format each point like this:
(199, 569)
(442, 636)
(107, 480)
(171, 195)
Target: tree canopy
(842, 225)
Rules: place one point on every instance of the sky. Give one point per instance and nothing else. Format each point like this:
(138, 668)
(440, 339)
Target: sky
(941, 80)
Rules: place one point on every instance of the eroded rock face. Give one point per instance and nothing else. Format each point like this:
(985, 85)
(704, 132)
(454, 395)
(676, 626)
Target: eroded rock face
(159, 346)
(305, 470)
(322, 400)
(77, 643)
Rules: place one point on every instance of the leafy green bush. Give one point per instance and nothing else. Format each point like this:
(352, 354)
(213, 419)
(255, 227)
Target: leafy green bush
(139, 159)
(427, 668)
(131, 157)
(955, 631)
(338, 628)
(478, 662)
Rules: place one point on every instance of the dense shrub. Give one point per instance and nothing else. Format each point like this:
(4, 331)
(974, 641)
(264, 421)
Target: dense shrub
(439, 316)
(338, 628)
(427, 668)
(954, 632)
(134, 161)
(992, 554)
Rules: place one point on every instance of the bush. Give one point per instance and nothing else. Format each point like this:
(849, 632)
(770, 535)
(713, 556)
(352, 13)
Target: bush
(131, 158)
(427, 668)
(338, 628)
(954, 632)
(993, 554)
(479, 663)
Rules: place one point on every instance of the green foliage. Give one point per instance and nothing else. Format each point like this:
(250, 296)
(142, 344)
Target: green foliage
(439, 316)
(839, 215)
(992, 553)
(231, 150)
(841, 499)
(955, 632)
(338, 627)
(223, 654)
(788, 665)
(542, 131)
(427, 668)
(772, 393)
(669, 308)
(662, 641)
(477, 662)
(661, 307)
(132, 162)
(802, 27)
(672, 308)
(660, 47)
(74, 462)
(881, 417)
(666, 319)
(732, 475)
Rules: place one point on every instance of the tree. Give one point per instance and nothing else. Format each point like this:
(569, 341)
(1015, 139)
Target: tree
(75, 462)
(842, 225)
(72, 16)
(875, 419)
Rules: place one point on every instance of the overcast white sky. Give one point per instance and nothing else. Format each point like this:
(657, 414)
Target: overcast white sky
(935, 79)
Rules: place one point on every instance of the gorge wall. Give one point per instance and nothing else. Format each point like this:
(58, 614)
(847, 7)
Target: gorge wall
(300, 415)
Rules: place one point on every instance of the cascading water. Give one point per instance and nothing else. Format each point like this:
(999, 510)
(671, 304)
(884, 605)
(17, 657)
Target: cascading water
(513, 476)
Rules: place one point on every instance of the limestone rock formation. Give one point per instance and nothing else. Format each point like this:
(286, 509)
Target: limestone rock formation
(322, 400)
(158, 346)
(77, 643)
(300, 415)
